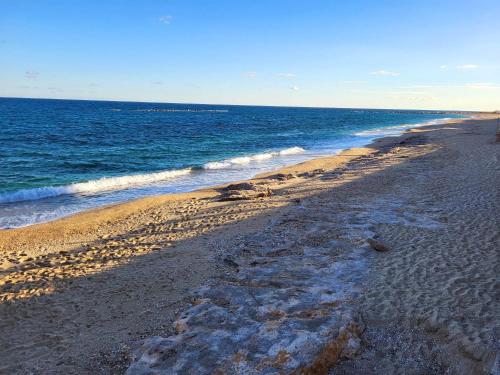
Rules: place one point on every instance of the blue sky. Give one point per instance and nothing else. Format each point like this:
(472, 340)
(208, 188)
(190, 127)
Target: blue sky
(380, 54)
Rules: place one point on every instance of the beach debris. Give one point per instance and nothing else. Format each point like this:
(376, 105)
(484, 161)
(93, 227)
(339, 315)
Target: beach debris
(244, 191)
(378, 245)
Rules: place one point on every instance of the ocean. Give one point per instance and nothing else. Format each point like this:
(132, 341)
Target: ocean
(59, 157)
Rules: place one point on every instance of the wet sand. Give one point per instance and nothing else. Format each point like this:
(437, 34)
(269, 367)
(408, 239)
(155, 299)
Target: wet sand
(78, 294)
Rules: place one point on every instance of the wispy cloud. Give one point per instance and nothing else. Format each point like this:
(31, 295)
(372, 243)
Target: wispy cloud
(417, 87)
(286, 75)
(353, 82)
(166, 20)
(467, 66)
(482, 86)
(158, 83)
(459, 67)
(31, 74)
(386, 73)
(294, 88)
(472, 85)
(250, 74)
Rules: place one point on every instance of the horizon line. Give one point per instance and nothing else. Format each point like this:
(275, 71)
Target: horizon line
(251, 105)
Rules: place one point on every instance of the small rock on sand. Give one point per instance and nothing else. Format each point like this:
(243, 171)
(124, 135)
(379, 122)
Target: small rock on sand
(378, 245)
(231, 262)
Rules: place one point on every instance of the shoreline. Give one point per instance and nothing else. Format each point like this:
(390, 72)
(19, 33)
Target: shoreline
(70, 261)
(370, 142)
(128, 207)
(109, 187)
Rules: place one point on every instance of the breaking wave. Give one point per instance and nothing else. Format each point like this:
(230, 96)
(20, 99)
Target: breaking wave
(125, 182)
(92, 186)
(242, 160)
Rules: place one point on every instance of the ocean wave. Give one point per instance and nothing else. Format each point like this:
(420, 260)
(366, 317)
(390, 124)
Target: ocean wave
(125, 182)
(398, 129)
(243, 160)
(92, 186)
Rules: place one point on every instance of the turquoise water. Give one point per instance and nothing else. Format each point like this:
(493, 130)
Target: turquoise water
(59, 157)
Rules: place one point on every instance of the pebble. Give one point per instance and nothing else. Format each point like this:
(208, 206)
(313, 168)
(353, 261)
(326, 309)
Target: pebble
(378, 245)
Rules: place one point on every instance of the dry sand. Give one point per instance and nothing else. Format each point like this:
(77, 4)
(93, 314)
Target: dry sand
(78, 293)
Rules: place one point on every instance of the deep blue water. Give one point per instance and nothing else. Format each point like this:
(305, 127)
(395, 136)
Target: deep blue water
(62, 156)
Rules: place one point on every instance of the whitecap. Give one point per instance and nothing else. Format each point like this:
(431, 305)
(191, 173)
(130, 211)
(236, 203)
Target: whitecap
(244, 160)
(92, 186)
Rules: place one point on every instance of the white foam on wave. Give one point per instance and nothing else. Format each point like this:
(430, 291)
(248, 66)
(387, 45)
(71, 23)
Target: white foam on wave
(93, 186)
(243, 160)
(125, 182)
(398, 129)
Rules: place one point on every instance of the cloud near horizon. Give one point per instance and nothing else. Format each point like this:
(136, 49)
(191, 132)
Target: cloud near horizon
(294, 88)
(286, 75)
(471, 85)
(482, 86)
(386, 73)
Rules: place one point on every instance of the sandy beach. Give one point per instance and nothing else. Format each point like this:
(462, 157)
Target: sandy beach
(102, 291)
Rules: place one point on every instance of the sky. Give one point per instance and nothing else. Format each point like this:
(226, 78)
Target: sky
(418, 54)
